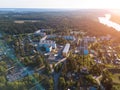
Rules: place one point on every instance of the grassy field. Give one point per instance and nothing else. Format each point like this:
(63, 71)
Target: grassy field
(116, 78)
(116, 87)
(116, 81)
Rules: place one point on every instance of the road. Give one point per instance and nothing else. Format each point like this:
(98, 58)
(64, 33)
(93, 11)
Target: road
(98, 81)
(56, 78)
(60, 61)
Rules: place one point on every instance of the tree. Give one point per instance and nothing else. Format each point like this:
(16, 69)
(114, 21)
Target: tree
(95, 70)
(2, 86)
(62, 83)
(107, 80)
(39, 60)
(51, 83)
(71, 63)
(2, 79)
(27, 61)
(12, 86)
(2, 70)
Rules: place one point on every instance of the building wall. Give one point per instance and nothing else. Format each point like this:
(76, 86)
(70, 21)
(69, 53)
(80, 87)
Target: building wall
(48, 43)
(47, 48)
(66, 50)
(69, 38)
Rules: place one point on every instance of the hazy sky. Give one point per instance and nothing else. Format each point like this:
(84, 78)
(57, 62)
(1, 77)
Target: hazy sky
(60, 4)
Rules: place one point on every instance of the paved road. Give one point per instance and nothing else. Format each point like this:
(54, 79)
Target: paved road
(60, 61)
(98, 81)
(56, 78)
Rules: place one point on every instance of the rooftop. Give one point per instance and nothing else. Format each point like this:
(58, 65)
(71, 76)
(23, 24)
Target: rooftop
(66, 48)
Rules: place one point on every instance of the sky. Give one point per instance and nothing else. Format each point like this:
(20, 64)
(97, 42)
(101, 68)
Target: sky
(80, 4)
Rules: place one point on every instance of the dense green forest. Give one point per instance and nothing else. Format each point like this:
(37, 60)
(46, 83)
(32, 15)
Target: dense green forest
(81, 20)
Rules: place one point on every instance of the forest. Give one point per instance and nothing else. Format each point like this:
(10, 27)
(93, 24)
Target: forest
(81, 20)
(20, 23)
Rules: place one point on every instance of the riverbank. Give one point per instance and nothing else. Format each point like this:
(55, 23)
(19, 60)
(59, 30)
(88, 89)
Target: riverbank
(106, 21)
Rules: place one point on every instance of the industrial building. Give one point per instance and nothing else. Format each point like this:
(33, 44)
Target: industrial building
(66, 50)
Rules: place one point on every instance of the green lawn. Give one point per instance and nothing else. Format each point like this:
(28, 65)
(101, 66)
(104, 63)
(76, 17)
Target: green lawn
(116, 81)
(116, 78)
(110, 66)
(116, 87)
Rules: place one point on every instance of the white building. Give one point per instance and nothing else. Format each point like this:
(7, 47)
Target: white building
(40, 33)
(44, 30)
(108, 37)
(44, 38)
(48, 43)
(51, 36)
(66, 49)
(69, 38)
(89, 39)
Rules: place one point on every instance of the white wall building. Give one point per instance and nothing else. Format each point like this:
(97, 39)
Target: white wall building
(39, 32)
(89, 39)
(51, 36)
(66, 49)
(108, 37)
(69, 38)
(44, 38)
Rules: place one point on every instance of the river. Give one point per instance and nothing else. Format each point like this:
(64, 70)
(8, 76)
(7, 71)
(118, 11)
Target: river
(106, 21)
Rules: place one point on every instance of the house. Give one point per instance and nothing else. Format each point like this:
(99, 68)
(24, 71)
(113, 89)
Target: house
(66, 50)
(84, 70)
(51, 57)
(117, 61)
(106, 38)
